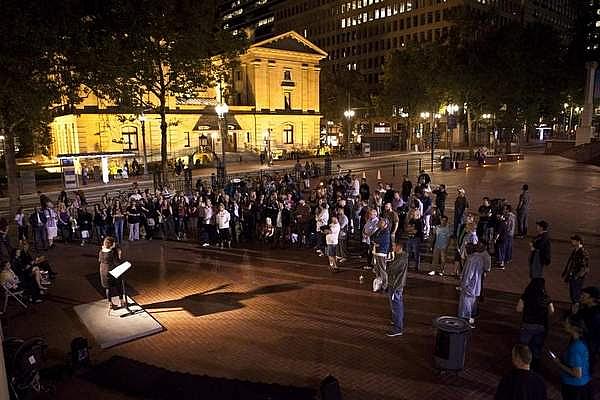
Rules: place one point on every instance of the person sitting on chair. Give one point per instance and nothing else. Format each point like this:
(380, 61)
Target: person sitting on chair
(109, 257)
(11, 281)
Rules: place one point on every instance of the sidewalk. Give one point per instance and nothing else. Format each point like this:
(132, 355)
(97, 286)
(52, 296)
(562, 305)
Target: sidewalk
(145, 180)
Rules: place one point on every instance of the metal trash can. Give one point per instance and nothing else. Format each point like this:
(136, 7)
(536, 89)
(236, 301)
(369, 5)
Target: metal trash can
(451, 341)
(447, 164)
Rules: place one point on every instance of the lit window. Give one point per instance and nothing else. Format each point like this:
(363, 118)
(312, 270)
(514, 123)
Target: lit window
(130, 138)
(288, 134)
(287, 75)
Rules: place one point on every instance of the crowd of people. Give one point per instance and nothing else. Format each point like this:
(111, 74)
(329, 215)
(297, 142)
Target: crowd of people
(381, 228)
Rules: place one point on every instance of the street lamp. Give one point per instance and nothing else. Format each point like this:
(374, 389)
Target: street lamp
(222, 109)
(143, 123)
(349, 114)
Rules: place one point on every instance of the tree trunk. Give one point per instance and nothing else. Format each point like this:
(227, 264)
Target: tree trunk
(470, 140)
(11, 170)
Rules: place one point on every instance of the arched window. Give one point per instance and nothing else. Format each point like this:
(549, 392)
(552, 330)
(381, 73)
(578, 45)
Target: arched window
(288, 134)
(130, 138)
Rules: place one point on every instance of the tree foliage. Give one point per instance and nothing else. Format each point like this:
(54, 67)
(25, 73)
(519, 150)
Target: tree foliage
(33, 72)
(518, 72)
(340, 90)
(128, 48)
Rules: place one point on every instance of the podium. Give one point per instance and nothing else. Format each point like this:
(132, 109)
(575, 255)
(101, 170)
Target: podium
(118, 272)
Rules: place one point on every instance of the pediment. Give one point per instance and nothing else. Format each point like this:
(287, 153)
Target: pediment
(291, 41)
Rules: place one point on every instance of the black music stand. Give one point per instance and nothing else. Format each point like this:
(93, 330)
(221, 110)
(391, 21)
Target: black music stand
(118, 272)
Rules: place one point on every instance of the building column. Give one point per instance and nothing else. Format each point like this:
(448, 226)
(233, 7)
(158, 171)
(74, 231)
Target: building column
(104, 166)
(585, 132)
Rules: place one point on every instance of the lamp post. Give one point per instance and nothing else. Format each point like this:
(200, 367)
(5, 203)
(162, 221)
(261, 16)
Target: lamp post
(143, 123)
(222, 109)
(349, 114)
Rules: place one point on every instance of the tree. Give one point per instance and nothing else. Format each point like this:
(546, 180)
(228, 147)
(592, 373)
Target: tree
(411, 82)
(155, 47)
(32, 70)
(340, 90)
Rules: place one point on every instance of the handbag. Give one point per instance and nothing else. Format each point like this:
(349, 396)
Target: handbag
(85, 234)
(151, 222)
(377, 284)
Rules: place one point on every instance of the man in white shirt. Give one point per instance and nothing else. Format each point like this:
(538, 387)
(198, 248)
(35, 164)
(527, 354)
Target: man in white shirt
(332, 234)
(222, 219)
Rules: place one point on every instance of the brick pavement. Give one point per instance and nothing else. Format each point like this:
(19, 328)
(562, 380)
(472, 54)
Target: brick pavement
(281, 317)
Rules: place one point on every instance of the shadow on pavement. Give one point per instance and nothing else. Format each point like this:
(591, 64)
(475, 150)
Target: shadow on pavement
(208, 302)
(150, 382)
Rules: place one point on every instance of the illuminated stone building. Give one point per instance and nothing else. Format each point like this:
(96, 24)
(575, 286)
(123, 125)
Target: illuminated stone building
(274, 105)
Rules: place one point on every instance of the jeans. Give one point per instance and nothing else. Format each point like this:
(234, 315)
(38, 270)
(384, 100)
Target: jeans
(341, 248)
(40, 237)
(413, 247)
(465, 306)
(508, 248)
(501, 251)
(426, 225)
(522, 223)
(533, 335)
(119, 230)
(575, 286)
(134, 231)
(397, 307)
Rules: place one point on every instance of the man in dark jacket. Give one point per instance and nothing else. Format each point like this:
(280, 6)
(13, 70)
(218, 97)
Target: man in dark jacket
(576, 269)
(521, 383)
(397, 272)
(540, 255)
(37, 220)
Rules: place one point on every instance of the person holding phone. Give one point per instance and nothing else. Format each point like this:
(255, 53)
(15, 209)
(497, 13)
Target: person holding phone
(574, 365)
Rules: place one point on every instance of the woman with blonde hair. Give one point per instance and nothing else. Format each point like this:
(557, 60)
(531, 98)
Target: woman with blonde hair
(109, 257)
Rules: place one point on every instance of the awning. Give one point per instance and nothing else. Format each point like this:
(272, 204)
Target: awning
(210, 122)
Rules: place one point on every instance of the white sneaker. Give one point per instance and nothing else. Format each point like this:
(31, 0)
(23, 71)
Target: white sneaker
(432, 273)
(205, 244)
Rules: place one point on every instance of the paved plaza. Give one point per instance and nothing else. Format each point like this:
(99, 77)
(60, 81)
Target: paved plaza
(281, 317)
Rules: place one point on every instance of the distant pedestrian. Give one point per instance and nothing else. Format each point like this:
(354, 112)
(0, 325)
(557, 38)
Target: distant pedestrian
(397, 273)
(521, 383)
(523, 211)
(540, 255)
(440, 247)
(461, 204)
(576, 269)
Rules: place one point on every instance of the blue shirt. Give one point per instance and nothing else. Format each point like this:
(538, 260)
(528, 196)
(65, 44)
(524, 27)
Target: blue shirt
(577, 356)
(442, 237)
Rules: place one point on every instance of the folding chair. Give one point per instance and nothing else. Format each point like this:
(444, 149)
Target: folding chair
(16, 294)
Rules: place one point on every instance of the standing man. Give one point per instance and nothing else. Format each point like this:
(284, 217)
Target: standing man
(397, 272)
(406, 188)
(222, 220)
(511, 225)
(371, 225)
(540, 255)
(37, 220)
(364, 190)
(381, 248)
(461, 204)
(521, 383)
(470, 285)
(440, 246)
(522, 211)
(440, 198)
(576, 269)
(342, 252)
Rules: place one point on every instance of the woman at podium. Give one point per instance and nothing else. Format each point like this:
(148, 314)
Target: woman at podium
(109, 257)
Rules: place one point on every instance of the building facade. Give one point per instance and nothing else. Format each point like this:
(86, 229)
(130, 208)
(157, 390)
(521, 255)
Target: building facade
(273, 106)
(254, 17)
